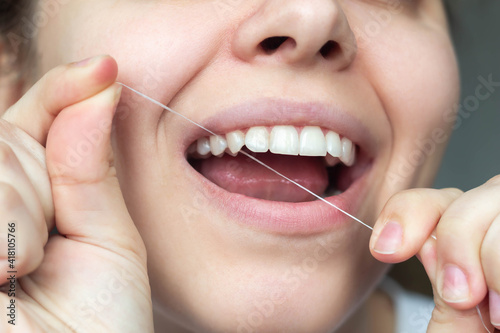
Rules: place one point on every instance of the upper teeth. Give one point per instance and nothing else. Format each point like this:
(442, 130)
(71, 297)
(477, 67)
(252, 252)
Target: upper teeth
(257, 139)
(284, 140)
(312, 142)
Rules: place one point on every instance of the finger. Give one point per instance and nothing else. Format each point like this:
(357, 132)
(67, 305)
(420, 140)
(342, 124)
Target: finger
(59, 88)
(460, 233)
(89, 205)
(490, 261)
(12, 173)
(445, 319)
(21, 245)
(31, 156)
(407, 221)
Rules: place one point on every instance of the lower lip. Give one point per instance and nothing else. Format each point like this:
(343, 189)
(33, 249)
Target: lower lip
(284, 218)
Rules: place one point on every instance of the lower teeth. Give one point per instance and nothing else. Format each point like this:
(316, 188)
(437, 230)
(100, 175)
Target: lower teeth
(331, 193)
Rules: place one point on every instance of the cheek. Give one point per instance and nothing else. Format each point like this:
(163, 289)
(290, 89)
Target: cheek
(418, 83)
(158, 46)
(414, 72)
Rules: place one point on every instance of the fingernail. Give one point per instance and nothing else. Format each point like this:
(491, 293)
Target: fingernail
(87, 61)
(495, 308)
(390, 239)
(455, 285)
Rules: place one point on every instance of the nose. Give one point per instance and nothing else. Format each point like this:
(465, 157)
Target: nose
(297, 32)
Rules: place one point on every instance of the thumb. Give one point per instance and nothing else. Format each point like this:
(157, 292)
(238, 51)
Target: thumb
(88, 202)
(445, 318)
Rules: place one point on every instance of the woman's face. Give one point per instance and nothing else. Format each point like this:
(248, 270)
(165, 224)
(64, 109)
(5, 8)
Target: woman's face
(226, 251)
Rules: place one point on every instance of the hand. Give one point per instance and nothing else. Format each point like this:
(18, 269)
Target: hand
(92, 277)
(462, 262)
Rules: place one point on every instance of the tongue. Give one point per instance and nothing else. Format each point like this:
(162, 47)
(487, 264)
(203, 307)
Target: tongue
(242, 175)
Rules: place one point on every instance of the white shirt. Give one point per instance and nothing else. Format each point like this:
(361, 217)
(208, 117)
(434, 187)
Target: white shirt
(412, 311)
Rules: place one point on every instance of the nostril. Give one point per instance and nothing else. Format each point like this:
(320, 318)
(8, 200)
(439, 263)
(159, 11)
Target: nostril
(329, 49)
(271, 44)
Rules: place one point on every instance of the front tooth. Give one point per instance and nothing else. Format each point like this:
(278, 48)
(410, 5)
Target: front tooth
(312, 142)
(203, 146)
(348, 152)
(235, 140)
(284, 140)
(217, 144)
(333, 144)
(257, 139)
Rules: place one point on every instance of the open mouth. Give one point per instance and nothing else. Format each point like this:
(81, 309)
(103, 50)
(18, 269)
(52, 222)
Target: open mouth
(324, 148)
(319, 159)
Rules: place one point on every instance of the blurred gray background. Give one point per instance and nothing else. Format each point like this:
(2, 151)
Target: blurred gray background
(473, 155)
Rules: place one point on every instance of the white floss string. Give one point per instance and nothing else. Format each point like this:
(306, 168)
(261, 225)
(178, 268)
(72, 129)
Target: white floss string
(482, 320)
(166, 107)
(271, 169)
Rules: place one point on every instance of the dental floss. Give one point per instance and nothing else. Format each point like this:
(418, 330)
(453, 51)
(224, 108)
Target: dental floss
(249, 156)
(481, 317)
(275, 171)
(166, 107)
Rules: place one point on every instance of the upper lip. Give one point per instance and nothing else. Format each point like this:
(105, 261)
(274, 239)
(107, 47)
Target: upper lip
(271, 112)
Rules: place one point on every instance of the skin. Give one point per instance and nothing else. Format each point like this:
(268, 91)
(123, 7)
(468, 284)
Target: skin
(123, 199)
